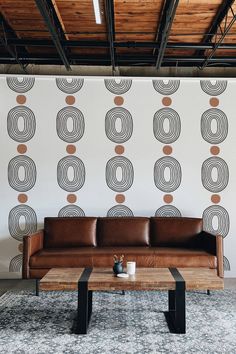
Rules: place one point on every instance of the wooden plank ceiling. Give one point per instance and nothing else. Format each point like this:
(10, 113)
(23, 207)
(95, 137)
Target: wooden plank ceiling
(132, 32)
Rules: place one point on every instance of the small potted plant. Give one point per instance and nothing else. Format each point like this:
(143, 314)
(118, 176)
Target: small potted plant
(118, 264)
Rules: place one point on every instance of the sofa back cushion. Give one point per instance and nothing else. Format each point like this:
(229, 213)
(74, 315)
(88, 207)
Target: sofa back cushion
(69, 232)
(174, 231)
(123, 231)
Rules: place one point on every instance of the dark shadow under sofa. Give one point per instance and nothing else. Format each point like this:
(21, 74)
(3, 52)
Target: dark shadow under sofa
(92, 242)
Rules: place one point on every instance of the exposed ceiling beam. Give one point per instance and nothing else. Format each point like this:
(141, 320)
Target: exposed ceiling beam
(109, 8)
(167, 19)
(213, 29)
(105, 44)
(4, 41)
(161, 23)
(58, 19)
(49, 15)
(220, 40)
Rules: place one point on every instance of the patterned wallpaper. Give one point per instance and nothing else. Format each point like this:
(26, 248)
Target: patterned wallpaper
(116, 147)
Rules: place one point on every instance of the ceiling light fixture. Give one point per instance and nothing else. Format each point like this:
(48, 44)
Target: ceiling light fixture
(97, 12)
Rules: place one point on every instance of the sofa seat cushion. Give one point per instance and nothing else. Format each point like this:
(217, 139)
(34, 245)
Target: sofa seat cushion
(175, 231)
(69, 232)
(123, 232)
(183, 257)
(62, 257)
(143, 256)
(90, 257)
(103, 257)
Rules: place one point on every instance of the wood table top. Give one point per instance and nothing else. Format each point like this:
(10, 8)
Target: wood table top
(144, 279)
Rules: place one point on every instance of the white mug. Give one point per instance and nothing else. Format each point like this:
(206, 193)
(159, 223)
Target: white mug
(131, 266)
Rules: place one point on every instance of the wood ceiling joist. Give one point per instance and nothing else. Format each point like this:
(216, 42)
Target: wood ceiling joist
(30, 21)
(78, 17)
(137, 16)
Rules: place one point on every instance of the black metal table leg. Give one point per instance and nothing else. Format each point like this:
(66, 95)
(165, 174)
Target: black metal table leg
(37, 287)
(90, 304)
(171, 300)
(84, 310)
(176, 315)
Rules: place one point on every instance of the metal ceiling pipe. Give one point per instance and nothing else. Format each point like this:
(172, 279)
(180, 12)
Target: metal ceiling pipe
(105, 44)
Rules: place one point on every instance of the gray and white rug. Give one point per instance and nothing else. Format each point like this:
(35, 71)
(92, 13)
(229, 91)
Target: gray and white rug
(133, 323)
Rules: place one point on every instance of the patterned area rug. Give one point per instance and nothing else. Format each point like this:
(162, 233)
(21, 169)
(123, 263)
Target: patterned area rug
(133, 323)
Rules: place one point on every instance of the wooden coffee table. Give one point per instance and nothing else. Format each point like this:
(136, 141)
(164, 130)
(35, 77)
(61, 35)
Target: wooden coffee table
(175, 281)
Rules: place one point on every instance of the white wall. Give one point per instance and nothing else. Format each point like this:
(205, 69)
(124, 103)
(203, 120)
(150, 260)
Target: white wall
(44, 149)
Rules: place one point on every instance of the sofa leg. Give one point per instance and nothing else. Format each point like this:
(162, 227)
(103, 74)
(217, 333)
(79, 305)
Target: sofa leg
(37, 287)
(123, 292)
(208, 292)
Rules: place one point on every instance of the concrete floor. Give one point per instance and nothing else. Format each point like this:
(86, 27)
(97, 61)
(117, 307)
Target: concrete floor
(19, 284)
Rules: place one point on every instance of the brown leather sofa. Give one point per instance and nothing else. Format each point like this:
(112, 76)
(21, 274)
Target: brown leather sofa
(92, 242)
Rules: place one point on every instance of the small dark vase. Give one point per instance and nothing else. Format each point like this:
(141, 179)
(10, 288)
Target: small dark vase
(118, 268)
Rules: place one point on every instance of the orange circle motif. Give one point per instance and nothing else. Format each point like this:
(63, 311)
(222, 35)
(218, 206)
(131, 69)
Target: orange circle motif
(70, 100)
(21, 99)
(20, 247)
(71, 198)
(168, 198)
(215, 150)
(119, 149)
(71, 149)
(214, 102)
(118, 100)
(22, 198)
(22, 148)
(167, 150)
(215, 198)
(120, 198)
(166, 101)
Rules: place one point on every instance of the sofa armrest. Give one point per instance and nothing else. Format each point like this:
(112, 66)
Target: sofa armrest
(214, 245)
(220, 256)
(31, 244)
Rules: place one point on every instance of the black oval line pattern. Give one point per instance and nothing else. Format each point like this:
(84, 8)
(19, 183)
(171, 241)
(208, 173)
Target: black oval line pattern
(222, 174)
(175, 174)
(174, 125)
(62, 173)
(16, 263)
(213, 89)
(71, 86)
(20, 85)
(222, 126)
(29, 124)
(226, 263)
(127, 174)
(118, 88)
(126, 125)
(166, 88)
(222, 217)
(168, 211)
(78, 124)
(120, 211)
(14, 221)
(70, 211)
(30, 173)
